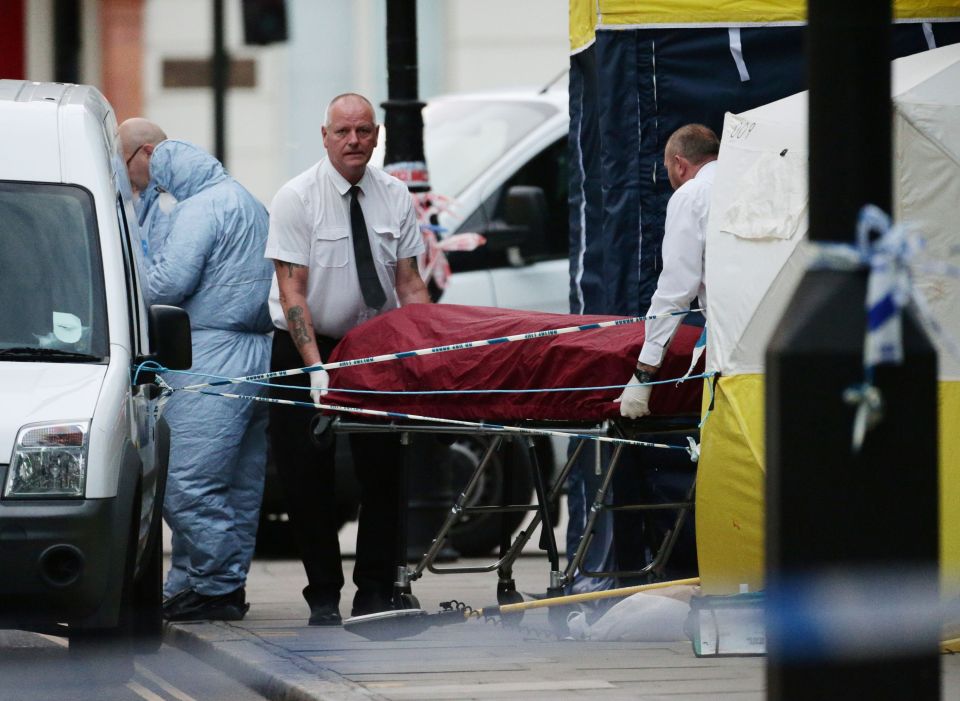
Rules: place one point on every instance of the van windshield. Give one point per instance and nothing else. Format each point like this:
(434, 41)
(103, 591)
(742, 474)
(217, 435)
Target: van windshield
(462, 138)
(51, 279)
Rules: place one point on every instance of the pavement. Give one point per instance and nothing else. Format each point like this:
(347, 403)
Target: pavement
(274, 651)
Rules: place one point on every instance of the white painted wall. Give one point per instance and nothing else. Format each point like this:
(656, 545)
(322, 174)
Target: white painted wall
(337, 46)
(183, 29)
(495, 44)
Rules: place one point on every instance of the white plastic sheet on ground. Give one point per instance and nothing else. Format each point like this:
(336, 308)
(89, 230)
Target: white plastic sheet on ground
(653, 617)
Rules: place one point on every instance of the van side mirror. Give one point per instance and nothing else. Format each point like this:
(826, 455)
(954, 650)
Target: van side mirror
(522, 227)
(170, 337)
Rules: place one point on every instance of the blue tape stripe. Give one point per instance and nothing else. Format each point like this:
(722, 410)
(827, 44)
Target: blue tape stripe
(881, 312)
(702, 341)
(398, 392)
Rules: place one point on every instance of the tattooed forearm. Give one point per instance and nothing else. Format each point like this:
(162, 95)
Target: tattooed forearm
(291, 267)
(297, 326)
(410, 286)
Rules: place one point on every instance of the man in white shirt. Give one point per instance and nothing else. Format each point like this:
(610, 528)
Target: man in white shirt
(689, 158)
(328, 279)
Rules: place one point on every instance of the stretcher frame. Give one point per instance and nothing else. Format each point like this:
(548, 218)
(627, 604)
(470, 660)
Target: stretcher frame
(512, 546)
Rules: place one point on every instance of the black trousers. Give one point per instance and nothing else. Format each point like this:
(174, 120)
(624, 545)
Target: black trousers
(307, 477)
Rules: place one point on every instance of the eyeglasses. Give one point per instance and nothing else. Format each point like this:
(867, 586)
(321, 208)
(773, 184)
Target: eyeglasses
(134, 154)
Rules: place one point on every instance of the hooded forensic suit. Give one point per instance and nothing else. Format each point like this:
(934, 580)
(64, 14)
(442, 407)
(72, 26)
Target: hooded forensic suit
(210, 262)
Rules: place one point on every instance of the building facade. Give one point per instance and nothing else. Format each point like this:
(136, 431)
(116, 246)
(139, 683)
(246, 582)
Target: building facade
(152, 58)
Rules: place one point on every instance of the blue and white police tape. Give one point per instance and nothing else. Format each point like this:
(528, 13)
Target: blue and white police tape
(692, 449)
(891, 260)
(220, 380)
(439, 349)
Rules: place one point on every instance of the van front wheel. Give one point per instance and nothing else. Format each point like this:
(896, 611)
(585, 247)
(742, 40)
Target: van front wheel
(147, 600)
(140, 625)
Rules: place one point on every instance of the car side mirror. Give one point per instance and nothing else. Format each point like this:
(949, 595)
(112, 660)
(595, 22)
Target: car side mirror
(170, 337)
(522, 227)
(526, 207)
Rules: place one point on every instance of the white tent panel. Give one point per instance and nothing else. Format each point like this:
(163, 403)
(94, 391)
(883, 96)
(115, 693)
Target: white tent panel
(758, 212)
(928, 198)
(747, 254)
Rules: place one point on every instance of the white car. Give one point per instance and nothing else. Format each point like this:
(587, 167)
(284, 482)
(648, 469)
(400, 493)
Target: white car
(83, 455)
(486, 153)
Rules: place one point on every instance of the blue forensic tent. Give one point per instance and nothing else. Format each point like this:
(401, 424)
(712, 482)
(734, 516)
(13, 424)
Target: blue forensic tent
(638, 71)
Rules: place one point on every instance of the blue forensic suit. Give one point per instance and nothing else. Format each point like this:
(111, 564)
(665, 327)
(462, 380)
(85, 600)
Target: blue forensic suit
(154, 208)
(211, 263)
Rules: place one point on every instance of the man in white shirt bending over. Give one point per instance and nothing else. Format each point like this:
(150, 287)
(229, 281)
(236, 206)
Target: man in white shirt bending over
(689, 158)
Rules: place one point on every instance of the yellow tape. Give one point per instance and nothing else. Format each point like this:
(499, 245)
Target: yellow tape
(586, 15)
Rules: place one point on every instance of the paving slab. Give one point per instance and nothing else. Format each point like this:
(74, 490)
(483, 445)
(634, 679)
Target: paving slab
(275, 652)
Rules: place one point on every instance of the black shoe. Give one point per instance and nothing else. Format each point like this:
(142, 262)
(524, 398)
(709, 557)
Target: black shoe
(324, 615)
(365, 603)
(191, 606)
(173, 601)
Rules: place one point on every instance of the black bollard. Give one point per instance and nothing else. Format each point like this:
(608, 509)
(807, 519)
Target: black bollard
(851, 535)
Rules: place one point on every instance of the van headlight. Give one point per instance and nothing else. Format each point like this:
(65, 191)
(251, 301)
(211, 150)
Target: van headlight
(49, 460)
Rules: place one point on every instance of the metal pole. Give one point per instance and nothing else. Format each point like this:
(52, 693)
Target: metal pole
(403, 116)
(428, 469)
(220, 67)
(842, 526)
(66, 41)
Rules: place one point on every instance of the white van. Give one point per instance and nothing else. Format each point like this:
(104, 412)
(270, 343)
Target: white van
(83, 454)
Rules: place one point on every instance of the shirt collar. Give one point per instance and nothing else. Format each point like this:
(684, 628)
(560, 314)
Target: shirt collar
(706, 167)
(340, 183)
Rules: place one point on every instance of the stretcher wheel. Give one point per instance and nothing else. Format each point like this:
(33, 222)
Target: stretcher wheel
(406, 600)
(509, 597)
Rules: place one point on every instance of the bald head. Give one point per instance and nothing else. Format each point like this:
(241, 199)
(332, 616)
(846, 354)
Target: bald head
(138, 138)
(688, 149)
(358, 101)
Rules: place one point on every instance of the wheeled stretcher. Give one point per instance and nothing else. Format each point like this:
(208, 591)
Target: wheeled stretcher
(456, 385)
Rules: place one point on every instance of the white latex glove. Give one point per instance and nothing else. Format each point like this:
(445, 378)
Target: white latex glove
(319, 381)
(635, 400)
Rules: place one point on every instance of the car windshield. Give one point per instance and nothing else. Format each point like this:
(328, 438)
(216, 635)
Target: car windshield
(51, 281)
(462, 138)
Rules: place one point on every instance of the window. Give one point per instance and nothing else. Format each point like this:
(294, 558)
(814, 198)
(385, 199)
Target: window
(463, 138)
(51, 278)
(548, 171)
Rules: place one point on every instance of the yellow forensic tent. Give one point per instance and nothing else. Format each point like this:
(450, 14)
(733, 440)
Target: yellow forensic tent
(755, 257)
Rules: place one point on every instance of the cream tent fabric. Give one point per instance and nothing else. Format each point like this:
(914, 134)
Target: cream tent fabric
(760, 200)
(755, 257)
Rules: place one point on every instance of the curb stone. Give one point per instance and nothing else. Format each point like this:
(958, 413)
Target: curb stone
(263, 666)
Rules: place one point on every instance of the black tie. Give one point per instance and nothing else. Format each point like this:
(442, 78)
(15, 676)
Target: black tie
(366, 270)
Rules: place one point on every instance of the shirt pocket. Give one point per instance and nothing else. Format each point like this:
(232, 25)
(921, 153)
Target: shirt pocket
(331, 247)
(388, 243)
